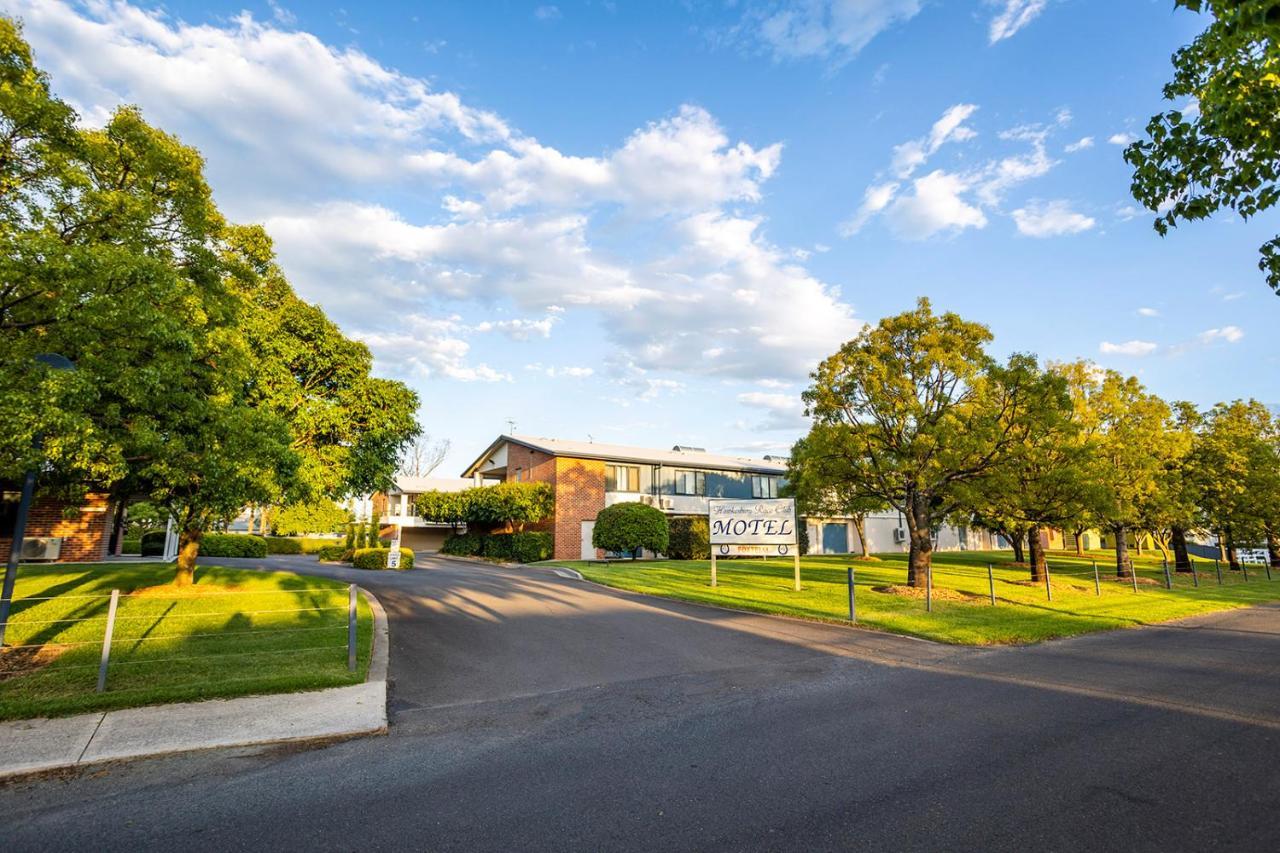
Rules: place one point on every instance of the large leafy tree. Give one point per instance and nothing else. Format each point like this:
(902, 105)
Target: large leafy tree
(1230, 464)
(820, 478)
(1220, 147)
(923, 409)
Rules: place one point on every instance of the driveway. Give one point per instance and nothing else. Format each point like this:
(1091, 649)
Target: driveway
(531, 711)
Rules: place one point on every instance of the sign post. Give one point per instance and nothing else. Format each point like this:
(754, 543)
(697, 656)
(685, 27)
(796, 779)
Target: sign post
(393, 556)
(765, 527)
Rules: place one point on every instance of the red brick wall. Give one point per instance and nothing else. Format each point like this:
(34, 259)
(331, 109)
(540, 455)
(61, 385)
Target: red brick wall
(579, 498)
(85, 534)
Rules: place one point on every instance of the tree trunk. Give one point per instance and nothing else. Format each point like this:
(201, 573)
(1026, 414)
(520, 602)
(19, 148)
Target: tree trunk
(1016, 540)
(1079, 541)
(1036, 549)
(860, 525)
(1273, 548)
(1137, 543)
(116, 544)
(1181, 558)
(920, 557)
(1124, 566)
(188, 550)
(1231, 552)
(1222, 547)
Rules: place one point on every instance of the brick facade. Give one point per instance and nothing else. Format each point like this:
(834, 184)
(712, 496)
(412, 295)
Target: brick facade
(579, 492)
(84, 536)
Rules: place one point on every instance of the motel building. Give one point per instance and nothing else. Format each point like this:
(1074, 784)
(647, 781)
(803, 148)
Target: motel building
(586, 477)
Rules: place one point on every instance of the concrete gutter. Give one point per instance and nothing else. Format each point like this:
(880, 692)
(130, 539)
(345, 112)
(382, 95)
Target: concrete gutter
(38, 745)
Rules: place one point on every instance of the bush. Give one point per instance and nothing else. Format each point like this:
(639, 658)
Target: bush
(688, 538)
(463, 545)
(334, 553)
(376, 558)
(322, 516)
(283, 545)
(152, 544)
(627, 527)
(528, 547)
(131, 545)
(315, 545)
(232, 545)
(351, 536)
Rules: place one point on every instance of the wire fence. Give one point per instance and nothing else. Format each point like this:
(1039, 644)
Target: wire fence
(67, 645)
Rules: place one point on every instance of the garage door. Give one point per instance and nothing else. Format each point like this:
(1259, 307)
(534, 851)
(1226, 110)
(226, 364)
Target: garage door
(423, 539)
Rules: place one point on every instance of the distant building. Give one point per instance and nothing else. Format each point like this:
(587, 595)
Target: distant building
(56, 531)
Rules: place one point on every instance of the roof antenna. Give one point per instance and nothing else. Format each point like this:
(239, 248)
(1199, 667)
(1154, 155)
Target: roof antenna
(591, 439)
(511, 426)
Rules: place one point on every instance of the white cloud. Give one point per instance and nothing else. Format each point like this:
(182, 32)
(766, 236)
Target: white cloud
(1148, 312)
(1122, 139)
(427, 347)
(1226, 334)
(568, 372)
(1050, 219)
(782, 411)
(547, 13)
(1079, 145)
(826, 29)
(935, 205)
(1137, 349)
(951, 127)
(1014, 15)
(520, 328)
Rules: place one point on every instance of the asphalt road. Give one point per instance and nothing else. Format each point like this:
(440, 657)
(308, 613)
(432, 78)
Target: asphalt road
(535, 712)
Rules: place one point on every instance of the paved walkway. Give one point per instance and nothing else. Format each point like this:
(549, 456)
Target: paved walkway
(530, 711)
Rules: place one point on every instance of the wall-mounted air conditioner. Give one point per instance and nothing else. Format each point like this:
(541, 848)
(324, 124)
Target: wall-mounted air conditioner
(648, 500)
(667, 503)
(899, 535)
(41, 547)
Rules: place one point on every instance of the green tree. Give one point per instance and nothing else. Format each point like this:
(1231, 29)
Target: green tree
(1230, 464)
(629, 527)
(450, 508)
(509, 506)
(819, 477)
(320, 516)
(1220, 147)
(922, 409)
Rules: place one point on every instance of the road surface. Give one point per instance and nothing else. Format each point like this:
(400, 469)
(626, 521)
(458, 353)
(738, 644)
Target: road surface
(535, 712)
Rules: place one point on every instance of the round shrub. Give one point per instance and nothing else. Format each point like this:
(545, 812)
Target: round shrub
(334, 553)
(376, 558)
(152, 543)
(232, 545)
(283, 545)
(689, 538)
(626, 528)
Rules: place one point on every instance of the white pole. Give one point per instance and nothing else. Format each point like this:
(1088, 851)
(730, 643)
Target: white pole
(713, 565)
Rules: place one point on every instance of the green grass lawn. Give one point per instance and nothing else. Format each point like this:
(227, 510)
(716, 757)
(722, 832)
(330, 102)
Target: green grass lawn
(962, 611)
(233, 633)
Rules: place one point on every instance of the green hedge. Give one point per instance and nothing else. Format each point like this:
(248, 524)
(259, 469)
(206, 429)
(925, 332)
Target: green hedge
(463, 545)
(131, 545)
(688, 538)
(376, 558)
(339, 553)
(232, 545)
(283, 545)
(152, 544)
(527, 547)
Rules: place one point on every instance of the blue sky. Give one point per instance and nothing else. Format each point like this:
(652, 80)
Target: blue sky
(645, 222)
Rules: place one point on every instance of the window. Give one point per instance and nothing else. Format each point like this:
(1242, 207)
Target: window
(691, 483)
(622, 478)
(764, 487)
(8, 513)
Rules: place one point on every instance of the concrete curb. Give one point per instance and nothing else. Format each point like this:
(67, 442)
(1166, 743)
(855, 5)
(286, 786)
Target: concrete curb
(42, 744)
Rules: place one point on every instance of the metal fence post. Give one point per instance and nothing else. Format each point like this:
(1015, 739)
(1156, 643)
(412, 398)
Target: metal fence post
(1244, 567)
(351, 627)
(1168, 579)
(106, 640)
(853, 612)
(1217, 567)
(1268, 565)
(1097, 581)
(1133, 575)
(1195, 576)
(991, 585)
(928, 589)
(1048, 590)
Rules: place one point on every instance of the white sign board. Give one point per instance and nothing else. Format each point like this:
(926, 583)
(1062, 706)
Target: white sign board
(393, 556)
(727, 550)
(1253, 556)
(753, 522)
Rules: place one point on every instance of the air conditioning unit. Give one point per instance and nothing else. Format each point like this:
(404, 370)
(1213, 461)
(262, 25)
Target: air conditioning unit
(899, 535)
(41, 547)
(667, 503)
(648, 500)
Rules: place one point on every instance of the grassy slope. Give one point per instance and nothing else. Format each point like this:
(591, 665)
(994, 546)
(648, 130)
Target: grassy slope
(172, 644)
(1022, 613)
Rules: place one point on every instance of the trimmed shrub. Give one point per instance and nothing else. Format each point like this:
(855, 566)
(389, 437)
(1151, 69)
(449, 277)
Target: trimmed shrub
(151, 544)
(315, 545)
(232, 545)
(334, 553)
(463, 545)
(376, 558)
(283, 545)
(626, 528)
(688, 538)
(131, 545)
(351, 536)
(528, 547)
